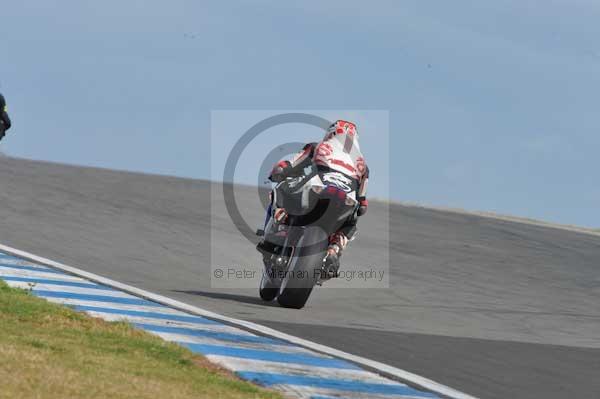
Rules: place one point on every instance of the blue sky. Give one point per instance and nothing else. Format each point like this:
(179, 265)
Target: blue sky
(493, 105)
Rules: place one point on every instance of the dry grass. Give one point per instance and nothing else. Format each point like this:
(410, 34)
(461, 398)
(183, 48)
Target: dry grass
(51, 352)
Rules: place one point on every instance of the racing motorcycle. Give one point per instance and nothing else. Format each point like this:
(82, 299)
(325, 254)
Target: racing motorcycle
(317, 204)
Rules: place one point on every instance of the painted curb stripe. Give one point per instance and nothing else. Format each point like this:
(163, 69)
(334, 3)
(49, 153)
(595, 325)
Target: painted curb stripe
(236, 364)
(318, 371)
(211, 334)
(292, 349)
(97, 298)
(269, 355)
(57, 282)
(30, 268)
(161, 316)
(68, 289)
(326, 397)
(306, 392)
(120, 306)
(267, 379)
(215, 327)
(350, 395)
(42, 274)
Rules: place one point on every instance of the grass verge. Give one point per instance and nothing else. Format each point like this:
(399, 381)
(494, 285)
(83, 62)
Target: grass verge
(48, 351)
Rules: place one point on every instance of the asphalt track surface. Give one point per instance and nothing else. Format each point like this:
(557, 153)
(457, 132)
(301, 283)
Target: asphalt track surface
(493, 308)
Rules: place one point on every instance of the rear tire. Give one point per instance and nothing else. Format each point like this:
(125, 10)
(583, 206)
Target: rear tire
(304, 270)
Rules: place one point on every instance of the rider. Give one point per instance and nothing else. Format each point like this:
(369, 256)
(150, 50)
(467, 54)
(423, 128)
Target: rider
(339, 151)
(4, 119)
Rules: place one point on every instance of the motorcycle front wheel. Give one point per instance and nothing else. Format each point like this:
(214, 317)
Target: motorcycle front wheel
(304, 270)
(267, 290)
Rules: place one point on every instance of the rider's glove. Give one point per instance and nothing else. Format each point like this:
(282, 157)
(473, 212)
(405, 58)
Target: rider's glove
(278, 173)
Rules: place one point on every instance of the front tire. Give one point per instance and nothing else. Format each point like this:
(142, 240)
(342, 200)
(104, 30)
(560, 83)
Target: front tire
(267, 290)
(304, 270)
(294, 298)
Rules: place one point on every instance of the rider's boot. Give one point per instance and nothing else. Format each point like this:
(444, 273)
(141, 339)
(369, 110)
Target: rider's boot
(279, 216)
(331, 263)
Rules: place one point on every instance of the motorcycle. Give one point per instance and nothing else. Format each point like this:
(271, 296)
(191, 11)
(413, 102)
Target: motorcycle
(317, 204)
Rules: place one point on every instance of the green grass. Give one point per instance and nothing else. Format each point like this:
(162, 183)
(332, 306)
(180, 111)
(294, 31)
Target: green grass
(50, 351)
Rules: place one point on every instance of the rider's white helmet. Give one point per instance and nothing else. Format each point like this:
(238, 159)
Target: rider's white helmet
(340, 127)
